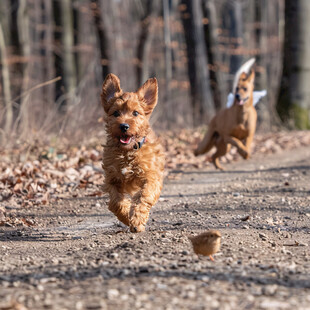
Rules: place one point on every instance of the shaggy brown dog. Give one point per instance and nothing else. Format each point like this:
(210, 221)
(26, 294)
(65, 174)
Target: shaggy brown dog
(233, 125)
(133, 159)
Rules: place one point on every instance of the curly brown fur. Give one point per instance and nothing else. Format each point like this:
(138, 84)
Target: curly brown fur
(232, 126)
(133, 174)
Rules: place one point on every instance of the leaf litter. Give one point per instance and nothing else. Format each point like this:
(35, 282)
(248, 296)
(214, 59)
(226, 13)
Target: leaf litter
(41, 174)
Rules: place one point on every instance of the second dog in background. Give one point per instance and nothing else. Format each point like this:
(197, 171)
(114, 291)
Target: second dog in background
(234, 125)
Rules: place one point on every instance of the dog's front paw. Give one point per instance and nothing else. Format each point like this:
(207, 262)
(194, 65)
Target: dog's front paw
(244, 154)
(136, 225)
(137, 229)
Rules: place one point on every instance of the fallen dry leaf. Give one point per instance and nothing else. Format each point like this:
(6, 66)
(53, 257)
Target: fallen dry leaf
(51, 173)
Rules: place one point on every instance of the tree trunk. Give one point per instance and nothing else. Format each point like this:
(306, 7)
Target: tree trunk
(5, 18)
(218, 86)
(119, 19)
(145, 40)
(49, 61)
(168, 60)
(202, 101)
(6, 84)
(294, 97)
(68, 43)
(24, 41)
(236, 34)
(102, 38)
(269, 60)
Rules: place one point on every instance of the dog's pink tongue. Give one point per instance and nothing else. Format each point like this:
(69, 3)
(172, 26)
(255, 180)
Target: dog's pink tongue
(125, 140)
(241, 102)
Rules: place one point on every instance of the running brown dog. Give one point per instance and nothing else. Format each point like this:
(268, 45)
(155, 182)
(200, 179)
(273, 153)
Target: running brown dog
(232, 126)
(133, 159)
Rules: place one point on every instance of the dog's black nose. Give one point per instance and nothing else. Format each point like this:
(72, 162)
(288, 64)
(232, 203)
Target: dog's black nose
(238, 97)
(124, 127)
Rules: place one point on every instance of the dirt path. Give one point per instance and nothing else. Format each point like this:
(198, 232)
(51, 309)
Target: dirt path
(78, 258)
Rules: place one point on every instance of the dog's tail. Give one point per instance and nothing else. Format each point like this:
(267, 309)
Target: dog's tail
(207, 142)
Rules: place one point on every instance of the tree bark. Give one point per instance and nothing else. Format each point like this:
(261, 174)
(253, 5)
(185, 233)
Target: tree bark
(24, 41)
(6, 84)
(145, 40)
(294, 97)
(219, 87)
(68, 43)
(5, 18)
(102, 37)
(202, 101)
(236, 34)
(269, 60)
(49, 61)
(232, 24)
(168, 60)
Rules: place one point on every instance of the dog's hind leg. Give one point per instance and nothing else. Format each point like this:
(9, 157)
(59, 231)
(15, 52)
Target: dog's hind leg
(241, 148)
(207, 143)
(221, 149)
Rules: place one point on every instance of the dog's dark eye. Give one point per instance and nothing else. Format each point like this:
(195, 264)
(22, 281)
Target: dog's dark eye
(135, 113)
(116, 114)
(245, 89)
(237, 89)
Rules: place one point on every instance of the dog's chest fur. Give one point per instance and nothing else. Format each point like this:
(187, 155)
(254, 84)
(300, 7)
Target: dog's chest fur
(123, 165)
(129, 165)
(132, 166)
(130, 170)
(241, 130)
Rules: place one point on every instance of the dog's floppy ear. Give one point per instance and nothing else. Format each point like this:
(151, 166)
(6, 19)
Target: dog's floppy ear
(148, 93)
(110, 87)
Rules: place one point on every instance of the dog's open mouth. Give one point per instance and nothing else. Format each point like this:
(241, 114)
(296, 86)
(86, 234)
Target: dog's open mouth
(242, 101)
(125, 139)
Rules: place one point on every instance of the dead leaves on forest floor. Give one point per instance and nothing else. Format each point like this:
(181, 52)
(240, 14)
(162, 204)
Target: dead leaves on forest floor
(179, 147)
(42, 174)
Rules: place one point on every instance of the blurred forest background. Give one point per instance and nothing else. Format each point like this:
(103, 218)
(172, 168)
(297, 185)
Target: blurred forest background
(55, 54)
